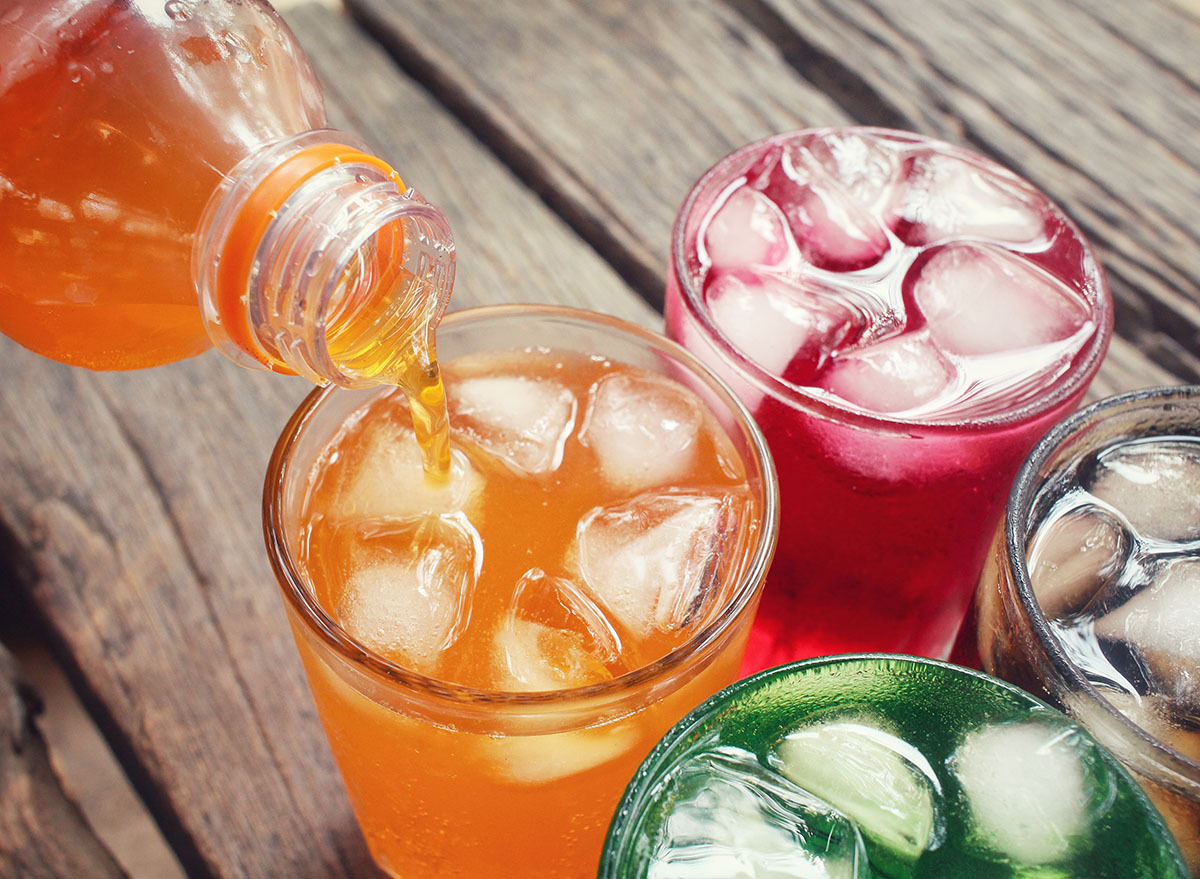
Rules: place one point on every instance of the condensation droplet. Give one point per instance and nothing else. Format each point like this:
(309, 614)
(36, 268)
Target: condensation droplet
(178, 10)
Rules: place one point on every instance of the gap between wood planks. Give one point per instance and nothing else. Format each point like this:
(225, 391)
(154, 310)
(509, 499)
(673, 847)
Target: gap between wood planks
(86, 767)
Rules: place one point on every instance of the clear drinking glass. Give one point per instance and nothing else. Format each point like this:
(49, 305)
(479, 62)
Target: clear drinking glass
(904, 319)
(1080, 624)
(882, 765)
(450, 780)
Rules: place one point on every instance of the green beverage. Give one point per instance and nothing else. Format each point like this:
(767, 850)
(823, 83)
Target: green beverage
(857, 767)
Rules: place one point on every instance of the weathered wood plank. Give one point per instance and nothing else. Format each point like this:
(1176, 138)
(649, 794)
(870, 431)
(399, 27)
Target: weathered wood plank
(83, 761)
(136, 611)
(698, 79)
(1189, 6)
(1124, 369)
(129, 505)
(1163, 29)
(43, 835)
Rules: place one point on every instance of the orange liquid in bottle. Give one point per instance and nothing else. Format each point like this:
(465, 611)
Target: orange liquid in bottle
(119, 123)
(511, 580)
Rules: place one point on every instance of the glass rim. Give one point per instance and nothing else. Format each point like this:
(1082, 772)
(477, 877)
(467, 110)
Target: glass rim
(1072, 382)
(300, 599)
(1020, 507)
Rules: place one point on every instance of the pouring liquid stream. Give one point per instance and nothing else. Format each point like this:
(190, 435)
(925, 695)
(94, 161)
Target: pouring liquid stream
(394, 343)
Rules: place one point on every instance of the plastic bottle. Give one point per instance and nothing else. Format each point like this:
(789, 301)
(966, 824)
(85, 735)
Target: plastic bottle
(167, 183)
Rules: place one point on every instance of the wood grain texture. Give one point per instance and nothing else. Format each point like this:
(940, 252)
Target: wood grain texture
(129, 510)
(1165, 30)
(43, 835)
(1094, 120)
(84, 764)
(134, 498)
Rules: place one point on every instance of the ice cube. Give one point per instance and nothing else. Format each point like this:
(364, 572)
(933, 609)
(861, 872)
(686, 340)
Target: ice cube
(523, 421)
(867, 169)
(873, 777)
(787, 329)
(658, 561)
(389, 482)
(1162, 622)
(831, 229)
(747, 230)
(645, 429)
(731, 819)
(1154, 484)
(541, 759)
(953, 197)
(553, 637)
(1026, 788)
(899, 374)
(1075, 560)
(409, 596)
(979, 299)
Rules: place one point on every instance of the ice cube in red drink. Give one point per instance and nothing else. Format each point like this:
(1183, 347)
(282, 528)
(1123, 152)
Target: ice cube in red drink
(832, 229)
(789, 328)
(948, 196)
(748, 230)
(899, 374)
(981, 299)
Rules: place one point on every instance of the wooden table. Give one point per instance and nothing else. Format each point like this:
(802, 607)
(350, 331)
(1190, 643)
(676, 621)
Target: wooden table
(560, 138)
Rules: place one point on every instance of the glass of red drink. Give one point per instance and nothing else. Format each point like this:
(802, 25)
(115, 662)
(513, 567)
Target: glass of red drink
(904, 319)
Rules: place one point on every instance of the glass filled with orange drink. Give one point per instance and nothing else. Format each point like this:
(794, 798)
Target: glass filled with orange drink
(493, 650)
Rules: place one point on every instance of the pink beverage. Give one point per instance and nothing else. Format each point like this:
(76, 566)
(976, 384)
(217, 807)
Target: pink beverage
(904, 319)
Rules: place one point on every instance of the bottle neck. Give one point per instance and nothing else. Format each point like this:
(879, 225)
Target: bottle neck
(312, 258)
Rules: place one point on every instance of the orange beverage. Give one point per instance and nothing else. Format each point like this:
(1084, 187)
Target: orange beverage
(167, 184)
(494, 653)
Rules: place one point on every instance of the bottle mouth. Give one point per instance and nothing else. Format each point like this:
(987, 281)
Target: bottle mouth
(381, 292)
(315, 260)
(262, 205)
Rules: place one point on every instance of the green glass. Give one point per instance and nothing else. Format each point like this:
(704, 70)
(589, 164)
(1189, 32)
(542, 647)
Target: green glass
(868, 766)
